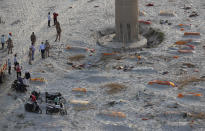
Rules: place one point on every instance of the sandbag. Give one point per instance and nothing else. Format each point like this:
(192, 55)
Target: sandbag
(81, 102)
(191, 33)
(114, 114)
(79, 89)
(166, 13)
(181, 42)
(162, 83)
(185, 51)
(38, 79)
(189, 94)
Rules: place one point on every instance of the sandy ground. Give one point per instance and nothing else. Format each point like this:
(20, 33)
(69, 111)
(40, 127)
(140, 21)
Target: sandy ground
(146, 107)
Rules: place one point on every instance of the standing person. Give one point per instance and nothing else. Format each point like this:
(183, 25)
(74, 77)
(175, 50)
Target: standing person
(9, 45)
(42, 50)
(27, 76)
(2, 41)
(9, 66)
(58, 30)
(33, 51)
(30, 56)
(49, 19)
(33, 99)
(47, 48)
(15, 61)
(18, 70)
(10, 35)
(33, 38)
(55, 15)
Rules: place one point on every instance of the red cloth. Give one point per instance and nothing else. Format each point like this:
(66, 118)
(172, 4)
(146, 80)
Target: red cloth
(33, 98)
(18, 69)
(55, 15)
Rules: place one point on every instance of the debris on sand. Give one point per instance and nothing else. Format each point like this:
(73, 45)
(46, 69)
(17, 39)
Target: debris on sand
(193, 14)
(83, 108)
(114, 88)
(200, 115)
(21, 116)
(189, 65)
(150, 4)
(188, 80)
(77, 57)
(145, 22)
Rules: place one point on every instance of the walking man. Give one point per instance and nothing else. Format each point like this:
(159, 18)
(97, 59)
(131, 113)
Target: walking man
(58, 30)
(49, 19)
(42, 50)
(33, 38)
(2, 41)
(15, 61)
(33, 51)
(9, 45)
(30, 55)
(9, 66)
(47, 48)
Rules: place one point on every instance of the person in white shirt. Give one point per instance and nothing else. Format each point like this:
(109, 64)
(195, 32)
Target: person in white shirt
(10, 36)
(49, 19)
(42, 50)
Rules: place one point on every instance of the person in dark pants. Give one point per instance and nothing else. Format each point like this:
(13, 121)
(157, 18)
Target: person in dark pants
(15, 61)
(47, 45)
(9, 66)
(33, 51)
(2, 41)
(55, 15)
(42, 50)
(58, 30)
(33, 38)
(18, 70)
(49, 19)
(27, 75)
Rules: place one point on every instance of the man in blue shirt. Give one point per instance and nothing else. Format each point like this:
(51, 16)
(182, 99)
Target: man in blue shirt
(2, 41)
(42, 50)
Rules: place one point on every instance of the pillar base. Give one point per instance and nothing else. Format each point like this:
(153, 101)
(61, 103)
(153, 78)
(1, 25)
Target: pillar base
(110, 42)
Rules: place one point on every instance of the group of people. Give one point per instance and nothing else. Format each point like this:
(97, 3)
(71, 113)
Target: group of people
(9, 42)
(43, 48)
(55, 23)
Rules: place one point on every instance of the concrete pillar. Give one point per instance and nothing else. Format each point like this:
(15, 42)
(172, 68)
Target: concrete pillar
(126, 20)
